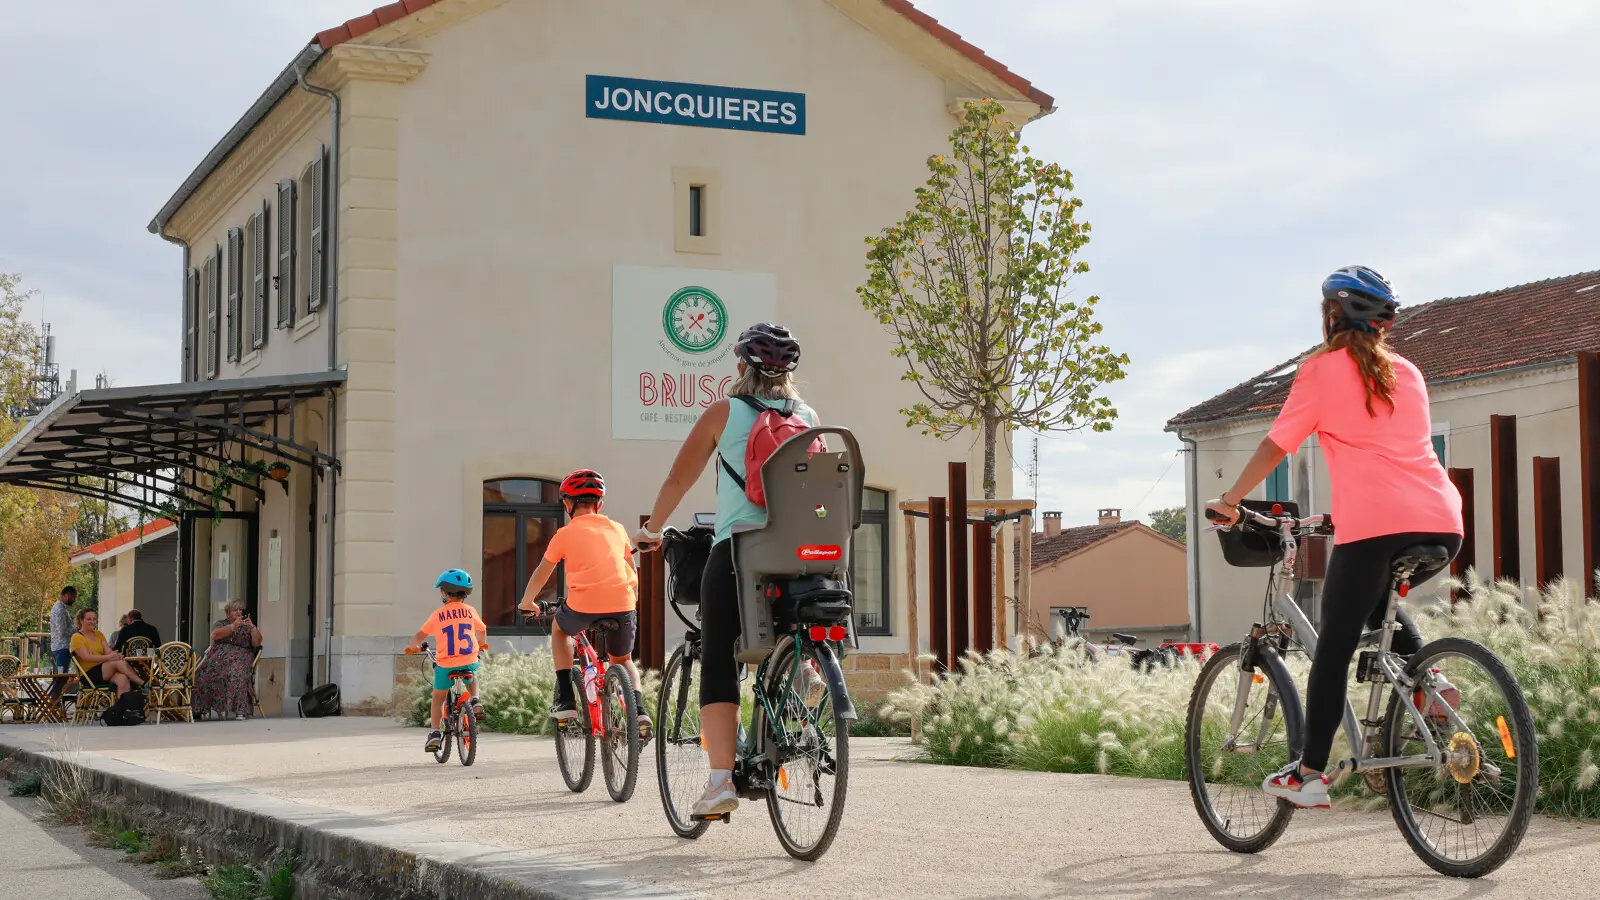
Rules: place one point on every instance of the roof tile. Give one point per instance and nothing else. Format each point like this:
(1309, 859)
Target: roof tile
(1047, 550)
(1541, 322)
(383, 15)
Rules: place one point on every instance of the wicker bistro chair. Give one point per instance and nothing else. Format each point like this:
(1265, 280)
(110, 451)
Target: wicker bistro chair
(172, 682)
(11, 698)
(136, 647)
(92, 699)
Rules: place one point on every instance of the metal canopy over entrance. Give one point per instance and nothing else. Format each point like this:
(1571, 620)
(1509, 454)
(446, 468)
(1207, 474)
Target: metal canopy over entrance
(146, 447)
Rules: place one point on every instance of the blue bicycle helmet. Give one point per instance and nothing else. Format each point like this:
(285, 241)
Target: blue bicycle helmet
(455, 581)
(1364, 296)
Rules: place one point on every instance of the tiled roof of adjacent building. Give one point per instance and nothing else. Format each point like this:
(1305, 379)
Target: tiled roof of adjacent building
(148, 531)
(1454, 338)
(1047, 550)
(383, 15)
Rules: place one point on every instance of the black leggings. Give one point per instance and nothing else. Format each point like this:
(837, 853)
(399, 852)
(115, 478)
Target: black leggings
(1355, 595)
(719, 627)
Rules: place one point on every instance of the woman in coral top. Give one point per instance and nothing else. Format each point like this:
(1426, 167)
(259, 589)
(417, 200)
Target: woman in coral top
(1369, 408)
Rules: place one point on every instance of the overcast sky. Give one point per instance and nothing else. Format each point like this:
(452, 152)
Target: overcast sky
(1228, 152)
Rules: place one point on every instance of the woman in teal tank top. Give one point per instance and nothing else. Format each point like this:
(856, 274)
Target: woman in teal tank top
(767, 357)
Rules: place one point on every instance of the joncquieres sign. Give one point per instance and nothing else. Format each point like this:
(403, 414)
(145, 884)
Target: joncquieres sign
(672, 337)
(698, 105)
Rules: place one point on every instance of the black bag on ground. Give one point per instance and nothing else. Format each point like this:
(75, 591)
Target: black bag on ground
(126, 710)
(320, 701)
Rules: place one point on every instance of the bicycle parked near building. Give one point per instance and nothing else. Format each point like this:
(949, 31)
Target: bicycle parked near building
(460, 723)
(795, 613)
(608, 714)
(1454, 745)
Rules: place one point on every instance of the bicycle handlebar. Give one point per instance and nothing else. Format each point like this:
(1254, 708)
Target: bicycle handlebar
(1321, 523)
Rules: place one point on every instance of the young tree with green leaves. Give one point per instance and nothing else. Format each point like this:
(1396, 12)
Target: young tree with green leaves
(1172, 522)
(973, 283)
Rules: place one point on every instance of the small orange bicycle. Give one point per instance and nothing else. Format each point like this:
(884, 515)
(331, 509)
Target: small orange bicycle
(460, 722)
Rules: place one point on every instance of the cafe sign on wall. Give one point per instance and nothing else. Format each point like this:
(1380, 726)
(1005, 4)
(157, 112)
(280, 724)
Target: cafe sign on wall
(699, 105)
(672, 337)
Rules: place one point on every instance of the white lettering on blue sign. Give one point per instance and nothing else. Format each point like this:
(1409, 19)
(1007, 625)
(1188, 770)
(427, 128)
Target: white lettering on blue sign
(701, 105)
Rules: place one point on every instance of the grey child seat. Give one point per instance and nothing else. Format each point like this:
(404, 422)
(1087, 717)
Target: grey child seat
(795, 568)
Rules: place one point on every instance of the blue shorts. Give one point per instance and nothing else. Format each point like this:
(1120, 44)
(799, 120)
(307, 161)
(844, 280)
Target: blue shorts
(441, 676)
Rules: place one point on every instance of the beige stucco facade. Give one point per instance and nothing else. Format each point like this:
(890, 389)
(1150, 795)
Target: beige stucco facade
(1545, 404)
(1133, 581)
(478, 217)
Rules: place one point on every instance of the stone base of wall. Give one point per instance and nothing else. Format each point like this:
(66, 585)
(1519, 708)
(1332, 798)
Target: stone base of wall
(871, 676)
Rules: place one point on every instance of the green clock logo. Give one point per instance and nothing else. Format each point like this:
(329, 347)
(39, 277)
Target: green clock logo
(694, 319)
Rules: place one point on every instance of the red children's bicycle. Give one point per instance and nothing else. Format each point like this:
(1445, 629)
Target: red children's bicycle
(608, 714)
(459, 721)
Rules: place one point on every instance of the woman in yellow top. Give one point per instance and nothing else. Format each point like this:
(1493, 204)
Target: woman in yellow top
(102, 664)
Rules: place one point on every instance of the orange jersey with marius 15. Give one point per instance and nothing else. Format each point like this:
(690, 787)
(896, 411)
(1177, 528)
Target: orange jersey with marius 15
(452, 626)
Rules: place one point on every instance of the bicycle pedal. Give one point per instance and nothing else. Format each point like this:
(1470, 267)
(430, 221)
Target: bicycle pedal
(714, 817)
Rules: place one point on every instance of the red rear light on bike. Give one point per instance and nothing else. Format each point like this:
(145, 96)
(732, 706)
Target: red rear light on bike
(837, 633)
(1277, 509)
(1403, 590)
(819, 633)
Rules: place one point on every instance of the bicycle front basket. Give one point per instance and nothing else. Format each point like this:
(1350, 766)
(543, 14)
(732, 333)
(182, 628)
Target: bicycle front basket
(686, 559)
(1255, 547)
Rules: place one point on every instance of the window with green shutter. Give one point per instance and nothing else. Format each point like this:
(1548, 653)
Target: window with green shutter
(1278, 483)
(316, 257)
(1441, 451)
(211, 284)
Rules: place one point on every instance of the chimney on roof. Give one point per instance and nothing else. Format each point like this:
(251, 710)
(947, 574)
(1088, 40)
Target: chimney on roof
(1052, 524)
(1110, 517)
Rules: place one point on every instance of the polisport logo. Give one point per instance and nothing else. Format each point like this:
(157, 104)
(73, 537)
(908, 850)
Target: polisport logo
(819, 551)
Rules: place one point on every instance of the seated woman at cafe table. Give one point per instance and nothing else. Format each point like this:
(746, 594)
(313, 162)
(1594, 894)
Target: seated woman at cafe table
(103, 665)
(222, 683)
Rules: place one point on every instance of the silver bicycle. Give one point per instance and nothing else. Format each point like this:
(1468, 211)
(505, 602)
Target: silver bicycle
(1453, 748)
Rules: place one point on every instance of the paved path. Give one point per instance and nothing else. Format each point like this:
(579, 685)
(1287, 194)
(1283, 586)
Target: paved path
(910, 831)
(43, 860)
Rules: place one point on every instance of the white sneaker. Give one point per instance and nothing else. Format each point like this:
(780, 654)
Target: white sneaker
(815, 685)
(718, 800)
(1307, 792)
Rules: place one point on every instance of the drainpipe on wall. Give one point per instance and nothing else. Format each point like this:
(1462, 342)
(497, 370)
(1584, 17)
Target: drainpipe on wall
(331, 235)
(1192, 515)
(178, 598)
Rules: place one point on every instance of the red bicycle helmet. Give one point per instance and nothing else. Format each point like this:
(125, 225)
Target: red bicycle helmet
(584, 484)
(768, 348)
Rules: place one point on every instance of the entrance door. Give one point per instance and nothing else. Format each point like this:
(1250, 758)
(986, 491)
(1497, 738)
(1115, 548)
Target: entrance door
(225, 569)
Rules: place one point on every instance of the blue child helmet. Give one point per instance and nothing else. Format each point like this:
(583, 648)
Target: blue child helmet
(454, 578)
(1365, 297)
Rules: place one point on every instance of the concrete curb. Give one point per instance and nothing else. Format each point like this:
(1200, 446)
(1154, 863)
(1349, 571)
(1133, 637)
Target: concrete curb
(341, 856)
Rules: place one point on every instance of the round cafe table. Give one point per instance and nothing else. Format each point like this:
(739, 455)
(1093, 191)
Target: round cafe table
(43, 690)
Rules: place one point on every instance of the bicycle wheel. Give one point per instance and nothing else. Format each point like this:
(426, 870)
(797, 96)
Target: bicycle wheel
(1467, 816)
(575, 743)
(1225, 771)
(466, 732)
(620, 750)
(806, 797)
(682, 769)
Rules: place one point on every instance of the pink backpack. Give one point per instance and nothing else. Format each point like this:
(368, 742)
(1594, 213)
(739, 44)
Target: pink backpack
(772, 428)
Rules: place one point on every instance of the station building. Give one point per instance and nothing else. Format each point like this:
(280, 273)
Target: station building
(459, 248)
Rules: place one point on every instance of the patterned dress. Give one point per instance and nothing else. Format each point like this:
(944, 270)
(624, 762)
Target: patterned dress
(222, 683)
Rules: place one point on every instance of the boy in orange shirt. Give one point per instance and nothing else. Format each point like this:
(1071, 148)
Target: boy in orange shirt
(601, 584)
(459, 632)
